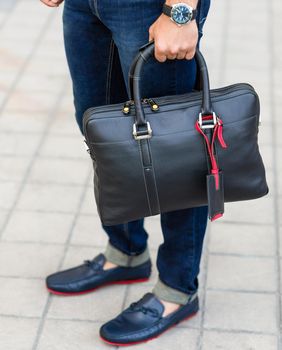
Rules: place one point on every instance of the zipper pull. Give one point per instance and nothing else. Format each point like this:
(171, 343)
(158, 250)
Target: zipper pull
(154, 106)
(126, 107)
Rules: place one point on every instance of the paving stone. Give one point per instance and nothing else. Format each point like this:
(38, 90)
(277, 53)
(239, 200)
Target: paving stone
(18, 144)
(89, 205)
(88, 231)
(67, 147)
(65, 124)
(29, 259)
(27, 102)
(50, 198)
(101, 305)
(70, 335)
(8, 192)
(240, 311)
(242, 239)
(22, 297)
(38, 227)
(234, 341)
(20, 122)
(3, 216)
(244, 273)
(259, 211)
(175, 337)
(59, 171)
(13, 168)
(17, 333)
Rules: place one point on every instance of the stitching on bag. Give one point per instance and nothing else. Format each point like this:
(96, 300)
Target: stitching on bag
(145, 182)
(109, 72)
(153, 171)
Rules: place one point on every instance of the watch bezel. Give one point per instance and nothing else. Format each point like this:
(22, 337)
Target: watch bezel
(175, 6)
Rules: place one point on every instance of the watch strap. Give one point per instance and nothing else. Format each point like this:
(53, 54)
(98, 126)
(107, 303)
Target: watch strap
(167, 11)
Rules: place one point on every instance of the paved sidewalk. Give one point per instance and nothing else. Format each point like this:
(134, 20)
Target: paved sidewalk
(48, 218)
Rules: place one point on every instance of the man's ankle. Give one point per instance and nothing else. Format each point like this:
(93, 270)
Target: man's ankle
(109, 265)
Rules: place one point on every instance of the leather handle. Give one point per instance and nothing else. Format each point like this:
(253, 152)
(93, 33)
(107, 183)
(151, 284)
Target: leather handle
(145, 53)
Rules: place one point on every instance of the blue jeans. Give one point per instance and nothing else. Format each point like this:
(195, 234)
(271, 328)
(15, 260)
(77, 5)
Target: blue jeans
(101, 39)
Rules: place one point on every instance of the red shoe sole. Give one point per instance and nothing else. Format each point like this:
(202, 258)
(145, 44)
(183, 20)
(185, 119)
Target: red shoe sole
(149, 339)
(52, 291)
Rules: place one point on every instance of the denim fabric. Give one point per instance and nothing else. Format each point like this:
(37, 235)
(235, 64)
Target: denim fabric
(101, 39)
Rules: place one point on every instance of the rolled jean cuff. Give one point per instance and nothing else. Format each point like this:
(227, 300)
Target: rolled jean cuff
(166, 293)
(119, 258)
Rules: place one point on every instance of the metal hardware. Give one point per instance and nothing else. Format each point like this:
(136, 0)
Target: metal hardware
(207, 126)
(154, 106)
(126, 107)
(148, 135)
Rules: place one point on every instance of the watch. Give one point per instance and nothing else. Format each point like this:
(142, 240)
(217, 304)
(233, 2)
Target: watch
(180, 13)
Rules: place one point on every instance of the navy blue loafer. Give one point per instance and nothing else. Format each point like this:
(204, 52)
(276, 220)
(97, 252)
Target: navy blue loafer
(90, 276)
(142, 321)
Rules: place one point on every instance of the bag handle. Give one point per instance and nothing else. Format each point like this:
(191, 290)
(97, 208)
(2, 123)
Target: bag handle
(145, 53)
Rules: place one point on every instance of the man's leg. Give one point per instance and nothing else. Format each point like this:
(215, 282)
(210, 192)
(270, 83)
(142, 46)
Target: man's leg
(97, 80)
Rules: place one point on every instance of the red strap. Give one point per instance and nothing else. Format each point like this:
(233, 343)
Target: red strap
(217, 134)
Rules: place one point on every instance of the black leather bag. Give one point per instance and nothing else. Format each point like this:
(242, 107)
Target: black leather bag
(175, 152)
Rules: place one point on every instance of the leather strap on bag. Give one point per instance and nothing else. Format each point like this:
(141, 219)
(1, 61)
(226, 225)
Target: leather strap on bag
(208, 125)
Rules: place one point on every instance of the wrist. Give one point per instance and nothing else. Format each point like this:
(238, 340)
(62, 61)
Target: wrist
(192, 3)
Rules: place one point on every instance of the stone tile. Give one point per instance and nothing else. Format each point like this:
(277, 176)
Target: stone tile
(153, 227)
(60, 171)
(29, 259)
(38, 65)
(16, 333)
(3, 216)
(267, 156)
(68, 335)
(101, 305)
(8, 192)
(237, 273)
(175, 337)
(48, 83)
(233, 341)
(240, 311)
(242, 239)
(50, 198)
(38, 227)
(67, 147)
(259, 211)
(28, 102)
(22, 297)
(18, 144)
(23, 122)
(88, 231)
(13, 168)
(89, 204)
(65, 124)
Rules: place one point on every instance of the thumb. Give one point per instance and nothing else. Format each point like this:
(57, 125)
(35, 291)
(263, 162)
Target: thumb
(151, 33)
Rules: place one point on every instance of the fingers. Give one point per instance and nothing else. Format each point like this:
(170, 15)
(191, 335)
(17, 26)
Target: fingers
(52, 3)
(162, 53)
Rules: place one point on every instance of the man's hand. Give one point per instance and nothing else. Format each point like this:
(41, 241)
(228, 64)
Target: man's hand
(172, 41)
(52, 3)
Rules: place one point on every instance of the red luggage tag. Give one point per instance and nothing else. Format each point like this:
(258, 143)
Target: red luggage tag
(215, 184)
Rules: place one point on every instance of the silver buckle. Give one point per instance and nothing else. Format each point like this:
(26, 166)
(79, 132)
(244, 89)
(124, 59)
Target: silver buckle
(142, 137)
(211, 126)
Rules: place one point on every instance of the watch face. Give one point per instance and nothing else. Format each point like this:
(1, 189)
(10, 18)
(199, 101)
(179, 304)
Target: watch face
(181, 13)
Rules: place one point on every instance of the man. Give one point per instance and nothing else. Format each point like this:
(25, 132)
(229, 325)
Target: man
(101, 39)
